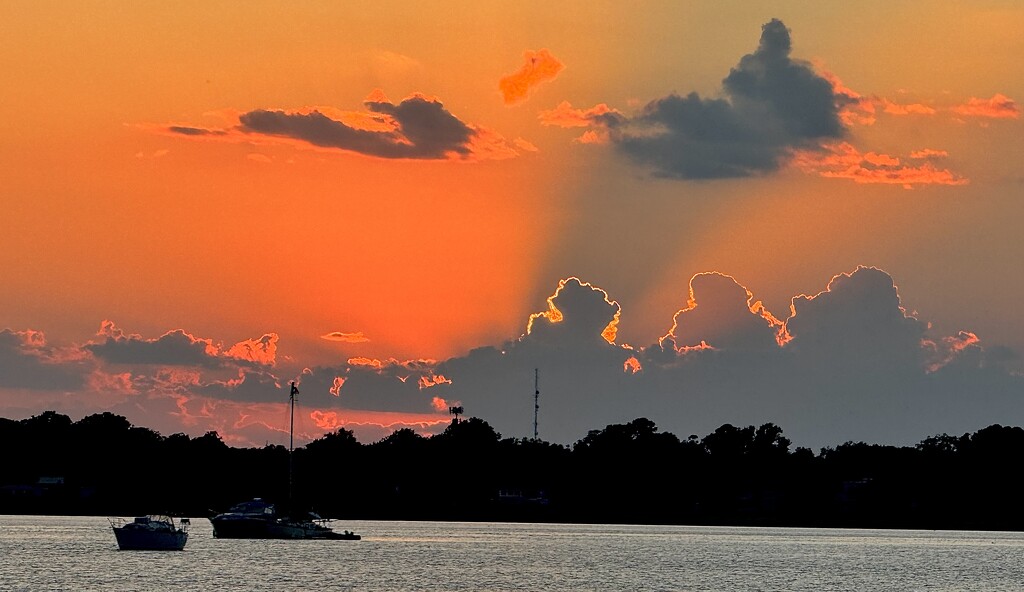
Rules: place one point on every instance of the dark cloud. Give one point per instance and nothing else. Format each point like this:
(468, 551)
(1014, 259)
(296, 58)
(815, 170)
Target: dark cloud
(857, 317)
(423, 129)
(772, 104)
(27, 362)
(370, 385)
(591, 320)
(194, 131)
(179, 348)
(174, 348)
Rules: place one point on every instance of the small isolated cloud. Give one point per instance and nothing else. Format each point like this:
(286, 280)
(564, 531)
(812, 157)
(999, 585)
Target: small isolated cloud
(998, 107)
(392, 64)
(598, 118)
(342, 337)
(893, 108)
(539, 67)
(418, 128)
(843, 161)
(565, 115)
(928, 154)
(186, 130)
(153, 155)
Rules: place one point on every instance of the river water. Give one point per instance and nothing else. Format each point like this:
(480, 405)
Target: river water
(79, 553)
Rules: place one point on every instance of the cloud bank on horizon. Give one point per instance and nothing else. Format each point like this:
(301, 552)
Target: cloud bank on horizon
(848, 363)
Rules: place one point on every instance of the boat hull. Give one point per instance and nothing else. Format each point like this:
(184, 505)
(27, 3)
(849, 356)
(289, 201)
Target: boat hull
(239, 527)
(236, 527)
(140, 540)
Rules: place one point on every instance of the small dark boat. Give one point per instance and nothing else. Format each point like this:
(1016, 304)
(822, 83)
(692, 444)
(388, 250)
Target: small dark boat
(150, 533)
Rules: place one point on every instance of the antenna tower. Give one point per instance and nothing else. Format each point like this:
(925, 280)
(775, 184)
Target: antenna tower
(536, 399)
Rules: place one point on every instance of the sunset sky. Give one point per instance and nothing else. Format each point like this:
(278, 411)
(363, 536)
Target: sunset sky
(699, 212)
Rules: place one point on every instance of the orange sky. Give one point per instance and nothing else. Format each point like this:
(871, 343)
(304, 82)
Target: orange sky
(138, 186)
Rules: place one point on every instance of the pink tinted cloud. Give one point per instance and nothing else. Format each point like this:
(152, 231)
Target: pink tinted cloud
(539, 67)
(843, 161)
(948, 349)
(433, 380)
(343, 337)
(858, 109)
(362, 361)
(594, 137)
(928, 153)
(597, 118)
(261, 351)
(998, 107)
(893, 108)
(565, 115)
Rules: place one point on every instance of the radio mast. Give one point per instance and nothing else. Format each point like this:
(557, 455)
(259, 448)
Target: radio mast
(536, 399)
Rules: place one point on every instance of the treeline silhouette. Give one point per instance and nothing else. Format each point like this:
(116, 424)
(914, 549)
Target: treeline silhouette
(103, 465)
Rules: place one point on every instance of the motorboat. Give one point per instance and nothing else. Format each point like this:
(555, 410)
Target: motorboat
(259, 519)
(150, 533)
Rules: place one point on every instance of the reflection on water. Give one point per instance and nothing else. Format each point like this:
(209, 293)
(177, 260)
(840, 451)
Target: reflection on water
(79, 553)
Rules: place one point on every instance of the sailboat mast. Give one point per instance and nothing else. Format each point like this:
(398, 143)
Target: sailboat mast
(291, 441)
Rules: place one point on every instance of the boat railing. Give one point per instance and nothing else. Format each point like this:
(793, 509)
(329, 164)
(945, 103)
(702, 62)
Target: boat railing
(120, 522)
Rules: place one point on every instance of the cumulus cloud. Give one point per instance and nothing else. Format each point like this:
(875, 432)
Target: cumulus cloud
(858, 316)
(590, 308)
(418, 128)
(538, 67)
(773, 111)
(720, 313)
(772, 103)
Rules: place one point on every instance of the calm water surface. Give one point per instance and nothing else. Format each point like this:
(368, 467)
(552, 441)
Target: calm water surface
(79, 553)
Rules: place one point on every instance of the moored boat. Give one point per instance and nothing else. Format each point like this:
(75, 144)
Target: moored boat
(259, 519)
(150, 533)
